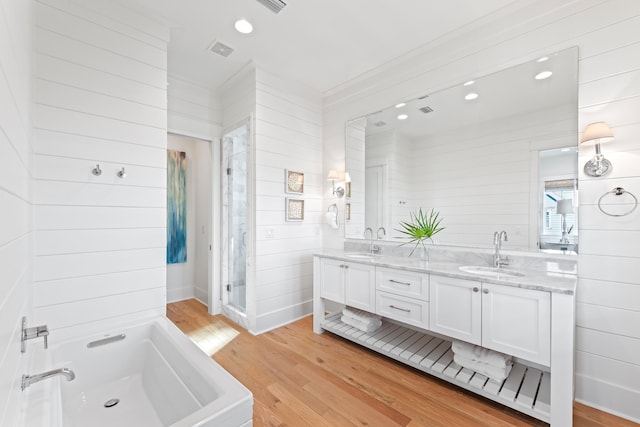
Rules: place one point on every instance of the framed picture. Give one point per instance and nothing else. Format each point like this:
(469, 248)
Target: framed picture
(295, 209)
(347, 211)
(294, 182)
(347, 189)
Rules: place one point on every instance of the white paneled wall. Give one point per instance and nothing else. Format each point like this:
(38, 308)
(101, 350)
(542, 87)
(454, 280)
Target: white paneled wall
(192, 110)
(608, 307)
(99, 98)
(288, 135)
(16, 227)
(478, 177)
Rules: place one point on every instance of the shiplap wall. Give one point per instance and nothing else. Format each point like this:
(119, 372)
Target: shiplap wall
(478, 177)
(288, 135)
(192, 110)
(16, 227)
(608, 295)
(99, 98)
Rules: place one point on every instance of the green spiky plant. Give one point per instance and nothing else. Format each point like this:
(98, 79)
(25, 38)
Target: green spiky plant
(420, 228)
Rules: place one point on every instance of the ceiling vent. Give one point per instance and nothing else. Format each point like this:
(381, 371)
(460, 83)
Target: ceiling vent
(426, 109)
(274, 6)
(220, 49)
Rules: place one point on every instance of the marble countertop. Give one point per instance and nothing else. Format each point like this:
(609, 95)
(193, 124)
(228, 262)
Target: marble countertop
(563, 283)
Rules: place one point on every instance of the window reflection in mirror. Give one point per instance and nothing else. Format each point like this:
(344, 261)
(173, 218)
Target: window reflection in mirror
(558, 215)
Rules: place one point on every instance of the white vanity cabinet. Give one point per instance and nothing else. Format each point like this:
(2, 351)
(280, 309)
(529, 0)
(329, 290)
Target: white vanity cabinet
(348, 283)
(533, 320)
(503, 318)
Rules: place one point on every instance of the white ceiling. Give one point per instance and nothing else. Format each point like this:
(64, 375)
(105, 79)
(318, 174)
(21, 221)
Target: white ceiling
(510, 92)
(321, 43)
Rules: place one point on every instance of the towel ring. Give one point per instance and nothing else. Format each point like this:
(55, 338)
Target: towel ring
(618, 191)
(333, 205)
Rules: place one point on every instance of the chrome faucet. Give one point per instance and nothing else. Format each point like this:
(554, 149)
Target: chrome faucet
(27, 380)
(372, 248)
(498, 238)
(384, 232)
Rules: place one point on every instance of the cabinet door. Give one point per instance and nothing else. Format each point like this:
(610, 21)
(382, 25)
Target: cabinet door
(456, 308)
(360, 285)
(517, 322)
(332, 280)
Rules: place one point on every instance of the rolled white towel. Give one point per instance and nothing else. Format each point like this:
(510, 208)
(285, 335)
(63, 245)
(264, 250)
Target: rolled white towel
(332, 220)
(360, 315)
(481, 354)
(363, 326)
(493, 372)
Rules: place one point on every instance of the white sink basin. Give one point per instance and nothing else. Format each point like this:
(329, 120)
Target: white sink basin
(360, 256)
(490, 271)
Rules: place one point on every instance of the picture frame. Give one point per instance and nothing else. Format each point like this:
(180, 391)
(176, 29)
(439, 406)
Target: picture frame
(294, 209)
(347, 190)
(347, 211)
(293, 182)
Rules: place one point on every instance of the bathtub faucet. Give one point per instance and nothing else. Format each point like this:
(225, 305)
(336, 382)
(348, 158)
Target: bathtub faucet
(27, 380)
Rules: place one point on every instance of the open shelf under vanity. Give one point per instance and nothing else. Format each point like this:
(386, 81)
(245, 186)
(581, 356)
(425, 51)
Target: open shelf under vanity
(526, 389)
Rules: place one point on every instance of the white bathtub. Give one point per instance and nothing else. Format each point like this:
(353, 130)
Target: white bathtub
(158, 375)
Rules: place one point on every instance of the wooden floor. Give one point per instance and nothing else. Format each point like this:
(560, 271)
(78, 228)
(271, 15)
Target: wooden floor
(299, 378)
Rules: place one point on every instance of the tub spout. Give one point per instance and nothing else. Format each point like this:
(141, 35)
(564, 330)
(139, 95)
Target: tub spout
(27, 380)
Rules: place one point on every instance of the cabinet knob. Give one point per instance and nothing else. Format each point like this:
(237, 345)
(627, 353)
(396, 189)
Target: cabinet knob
(346, 266)
(485, 291)
(475, 289)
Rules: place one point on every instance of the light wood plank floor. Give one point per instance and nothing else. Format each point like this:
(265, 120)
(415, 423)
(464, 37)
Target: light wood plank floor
(299, 378)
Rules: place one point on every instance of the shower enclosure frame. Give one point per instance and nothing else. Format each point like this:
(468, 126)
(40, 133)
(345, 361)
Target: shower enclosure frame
(247, 318)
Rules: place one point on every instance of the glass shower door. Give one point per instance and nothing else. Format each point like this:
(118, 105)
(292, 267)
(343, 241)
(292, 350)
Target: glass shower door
(235, 218)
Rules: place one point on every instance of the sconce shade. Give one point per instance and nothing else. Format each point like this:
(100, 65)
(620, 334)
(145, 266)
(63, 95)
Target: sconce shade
(596, 133)
(564, 206)
(333, 174)
(347, 177)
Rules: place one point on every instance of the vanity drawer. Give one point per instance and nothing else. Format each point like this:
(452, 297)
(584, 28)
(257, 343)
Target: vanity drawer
(407, 310)
(403, 283)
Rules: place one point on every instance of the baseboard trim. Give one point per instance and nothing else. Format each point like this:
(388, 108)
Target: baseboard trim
(180, 294)
(278, 318)
(608, 397)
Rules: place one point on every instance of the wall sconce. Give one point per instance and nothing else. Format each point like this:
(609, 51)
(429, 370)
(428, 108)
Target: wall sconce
(337, 191)
(596, 134)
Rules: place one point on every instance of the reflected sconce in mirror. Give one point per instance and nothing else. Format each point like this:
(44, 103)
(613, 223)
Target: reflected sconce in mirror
(336, 191)
(596, 134)
(564, 207)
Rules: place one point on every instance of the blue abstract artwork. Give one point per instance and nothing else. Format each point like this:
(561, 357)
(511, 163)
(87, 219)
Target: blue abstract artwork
(176, 207)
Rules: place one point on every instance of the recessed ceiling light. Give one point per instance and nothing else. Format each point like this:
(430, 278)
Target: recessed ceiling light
(564, 150)
(543, 75)
(470, 96)
(402, 104)
(243, 26)
(469, 83)
(544, 58)
(403, 117)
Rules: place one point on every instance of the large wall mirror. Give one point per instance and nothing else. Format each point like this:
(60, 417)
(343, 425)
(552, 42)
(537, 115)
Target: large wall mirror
(494, 153)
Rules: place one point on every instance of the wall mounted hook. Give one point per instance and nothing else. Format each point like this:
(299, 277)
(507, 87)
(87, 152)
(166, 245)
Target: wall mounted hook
(121, 173)
(97, 171)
